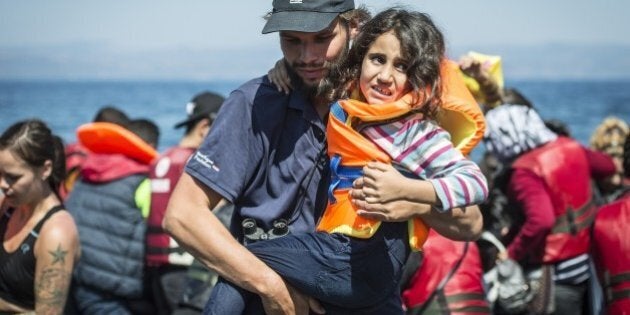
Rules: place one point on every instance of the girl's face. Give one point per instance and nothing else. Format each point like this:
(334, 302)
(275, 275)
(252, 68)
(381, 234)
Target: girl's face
(19, 182)
(383, 76)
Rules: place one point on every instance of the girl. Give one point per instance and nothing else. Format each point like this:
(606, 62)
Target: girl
(39, 238)
(352, 264)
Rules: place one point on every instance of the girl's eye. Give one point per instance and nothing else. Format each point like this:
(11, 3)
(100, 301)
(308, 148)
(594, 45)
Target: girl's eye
(378, 59)
(402, 67)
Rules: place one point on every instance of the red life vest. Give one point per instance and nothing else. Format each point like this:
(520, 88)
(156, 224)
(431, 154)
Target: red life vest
(165, 172)
(563, 166)
(463, 293)
(611, 251)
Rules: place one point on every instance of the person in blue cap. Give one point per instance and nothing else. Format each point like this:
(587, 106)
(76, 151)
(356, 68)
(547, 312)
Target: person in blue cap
(266, 153)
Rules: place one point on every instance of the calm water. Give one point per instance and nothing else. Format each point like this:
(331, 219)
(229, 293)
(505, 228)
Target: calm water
(66, 105)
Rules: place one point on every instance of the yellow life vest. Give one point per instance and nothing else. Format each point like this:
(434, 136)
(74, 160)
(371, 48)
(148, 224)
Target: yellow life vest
(494, 69)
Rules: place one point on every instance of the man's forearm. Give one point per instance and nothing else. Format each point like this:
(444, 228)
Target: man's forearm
(459, 224)
(199, 231)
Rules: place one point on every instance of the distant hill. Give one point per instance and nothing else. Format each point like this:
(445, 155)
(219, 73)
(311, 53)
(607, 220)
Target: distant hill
(85, 61)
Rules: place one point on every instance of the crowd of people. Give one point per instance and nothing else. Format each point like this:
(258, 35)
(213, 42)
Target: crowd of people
(339, 183)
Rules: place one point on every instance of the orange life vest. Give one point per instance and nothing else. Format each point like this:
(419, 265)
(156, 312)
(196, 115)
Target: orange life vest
(107, 138)
(611, 251)
(350, 151)
(563, 166)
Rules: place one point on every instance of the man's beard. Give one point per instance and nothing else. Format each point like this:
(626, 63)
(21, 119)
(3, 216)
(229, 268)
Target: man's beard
(312, 89)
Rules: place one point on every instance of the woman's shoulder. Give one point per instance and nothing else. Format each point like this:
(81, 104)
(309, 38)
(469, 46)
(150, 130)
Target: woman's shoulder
(59, 228)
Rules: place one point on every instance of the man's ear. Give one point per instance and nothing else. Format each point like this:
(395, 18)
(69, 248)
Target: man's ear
(353, 28)
(203, 127)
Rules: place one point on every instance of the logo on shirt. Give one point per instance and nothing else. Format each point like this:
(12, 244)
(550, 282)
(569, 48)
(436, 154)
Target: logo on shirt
(25, 248)
(205, 161)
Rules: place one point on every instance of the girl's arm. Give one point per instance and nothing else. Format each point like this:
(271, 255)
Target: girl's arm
(444, 177)
(56, 251)
(279, 76)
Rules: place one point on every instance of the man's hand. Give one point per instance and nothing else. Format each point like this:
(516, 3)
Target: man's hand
(288, 300)
(393, 211)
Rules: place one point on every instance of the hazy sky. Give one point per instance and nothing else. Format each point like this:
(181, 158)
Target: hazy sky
(213, 39)
(196, 24)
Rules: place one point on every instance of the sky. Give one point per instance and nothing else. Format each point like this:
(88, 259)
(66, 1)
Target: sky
(131, 34)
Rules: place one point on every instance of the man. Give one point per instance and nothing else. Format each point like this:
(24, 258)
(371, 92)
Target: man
(167, 263)
(109, 205)
(266, 154)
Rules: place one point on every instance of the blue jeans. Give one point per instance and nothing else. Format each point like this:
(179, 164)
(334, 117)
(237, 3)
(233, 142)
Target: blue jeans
(347, 275)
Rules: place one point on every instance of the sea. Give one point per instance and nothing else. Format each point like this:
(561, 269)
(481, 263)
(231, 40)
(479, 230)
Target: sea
(65, 105)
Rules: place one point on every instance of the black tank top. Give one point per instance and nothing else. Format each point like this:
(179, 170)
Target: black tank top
(17, 269)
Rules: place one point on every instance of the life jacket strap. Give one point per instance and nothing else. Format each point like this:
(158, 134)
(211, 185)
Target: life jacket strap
(342, 176)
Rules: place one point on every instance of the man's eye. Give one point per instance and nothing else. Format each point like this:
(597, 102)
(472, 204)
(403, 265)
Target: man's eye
(291, 41)
(323, 39)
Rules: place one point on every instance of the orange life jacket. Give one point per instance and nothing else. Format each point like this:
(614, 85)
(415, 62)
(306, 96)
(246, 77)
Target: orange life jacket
(563, 166)
(108, 138)
(611, 251)
(350, 151)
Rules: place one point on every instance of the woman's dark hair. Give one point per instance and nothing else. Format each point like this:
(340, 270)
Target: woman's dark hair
(33, 142)
(514, 97)
(422, 46)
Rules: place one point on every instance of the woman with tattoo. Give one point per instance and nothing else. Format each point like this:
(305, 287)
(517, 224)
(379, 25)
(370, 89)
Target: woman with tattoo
(40, 244)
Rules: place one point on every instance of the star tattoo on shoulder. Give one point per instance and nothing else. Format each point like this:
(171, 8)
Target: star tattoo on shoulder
(59, 255)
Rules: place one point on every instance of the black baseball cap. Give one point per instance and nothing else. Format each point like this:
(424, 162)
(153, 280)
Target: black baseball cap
(305, 15)
(205, 104)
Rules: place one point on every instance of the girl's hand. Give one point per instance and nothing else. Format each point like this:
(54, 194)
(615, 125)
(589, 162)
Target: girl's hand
(380, 183)
(279, 76)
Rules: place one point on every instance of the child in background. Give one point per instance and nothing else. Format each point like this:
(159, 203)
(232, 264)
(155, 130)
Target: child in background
(353, 265)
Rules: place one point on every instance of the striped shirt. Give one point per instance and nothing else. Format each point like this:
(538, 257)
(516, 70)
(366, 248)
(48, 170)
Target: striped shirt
(423, 148)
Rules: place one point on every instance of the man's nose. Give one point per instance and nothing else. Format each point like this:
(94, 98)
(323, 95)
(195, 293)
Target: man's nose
(309, 53)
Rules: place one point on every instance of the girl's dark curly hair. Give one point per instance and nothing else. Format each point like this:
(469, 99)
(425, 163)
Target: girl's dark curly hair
(422, 46)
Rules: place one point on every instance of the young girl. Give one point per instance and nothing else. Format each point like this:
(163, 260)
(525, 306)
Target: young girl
(39, 238)
(353, 265)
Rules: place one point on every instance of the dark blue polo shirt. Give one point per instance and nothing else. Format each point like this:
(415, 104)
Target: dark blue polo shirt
(266, 153)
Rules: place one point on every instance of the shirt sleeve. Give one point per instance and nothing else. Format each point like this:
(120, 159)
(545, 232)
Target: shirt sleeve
(426, 150)
(231, 151)
(601, 164)
(529, 193)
